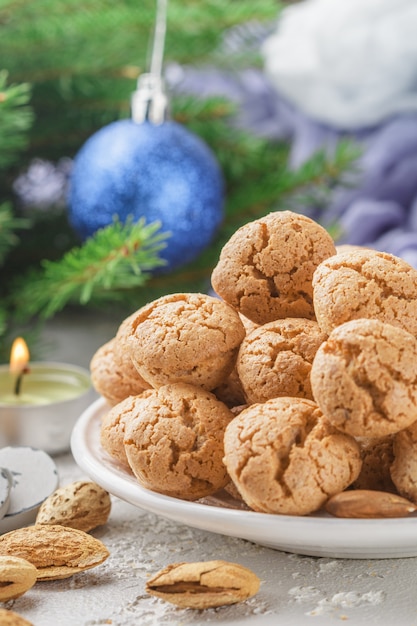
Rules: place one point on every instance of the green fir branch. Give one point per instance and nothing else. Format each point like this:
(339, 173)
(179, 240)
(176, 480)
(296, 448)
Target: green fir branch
(16, 118)
(9, 224)
(116, 258)
(90, 36)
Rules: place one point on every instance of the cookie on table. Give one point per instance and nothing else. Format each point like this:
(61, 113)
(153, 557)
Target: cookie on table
(404, 466)
(284, 457)
(365, 283)
(174, 444)
(110, 379)
(265, 270)
(377, 459)
(275, 359)
(113, 424)
(364, 378)
(185, 337)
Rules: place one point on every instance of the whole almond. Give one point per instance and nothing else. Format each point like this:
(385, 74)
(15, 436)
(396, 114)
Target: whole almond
(82, 504)
(17, 576)
(10, 618)
(204, 584)
(56, 551)
(365, 503)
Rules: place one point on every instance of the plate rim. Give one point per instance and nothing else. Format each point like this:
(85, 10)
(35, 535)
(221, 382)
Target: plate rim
(362, 538)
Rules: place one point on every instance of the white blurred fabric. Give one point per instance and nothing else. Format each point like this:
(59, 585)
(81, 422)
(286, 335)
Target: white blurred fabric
(347, 63)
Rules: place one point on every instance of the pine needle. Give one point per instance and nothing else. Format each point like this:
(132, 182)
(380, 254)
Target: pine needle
(8, 226)
(116, 258)
(16, 118)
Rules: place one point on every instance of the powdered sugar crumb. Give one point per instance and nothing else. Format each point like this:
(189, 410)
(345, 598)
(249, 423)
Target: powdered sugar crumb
(145, 610)
(326, 567)
(344, 600)
(303, 594)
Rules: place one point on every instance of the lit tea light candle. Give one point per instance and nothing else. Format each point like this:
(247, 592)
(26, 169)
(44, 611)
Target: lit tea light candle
(19, 359)
(41, 401)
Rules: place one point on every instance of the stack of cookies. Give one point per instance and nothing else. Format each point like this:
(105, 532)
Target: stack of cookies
(296, 381)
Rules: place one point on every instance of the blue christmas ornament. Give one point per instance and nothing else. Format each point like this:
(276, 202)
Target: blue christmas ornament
(149, 167)
(159, 171)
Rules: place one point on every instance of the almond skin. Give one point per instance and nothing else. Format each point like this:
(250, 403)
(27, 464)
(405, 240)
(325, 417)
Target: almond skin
(366, 503)
(82, 504)
(203, 584)
(10, 618)
(56, 551)
(17, 576)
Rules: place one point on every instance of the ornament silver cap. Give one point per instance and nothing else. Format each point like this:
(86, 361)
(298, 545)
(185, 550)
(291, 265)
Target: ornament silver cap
(149, 102)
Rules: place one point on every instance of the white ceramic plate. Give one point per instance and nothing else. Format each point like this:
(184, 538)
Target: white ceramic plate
(313, 535)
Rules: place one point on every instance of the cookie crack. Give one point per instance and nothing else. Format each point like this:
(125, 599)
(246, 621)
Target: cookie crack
(286, 460)
(386, 288)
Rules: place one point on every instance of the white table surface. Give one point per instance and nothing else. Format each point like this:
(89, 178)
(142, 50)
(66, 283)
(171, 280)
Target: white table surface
(295, 591)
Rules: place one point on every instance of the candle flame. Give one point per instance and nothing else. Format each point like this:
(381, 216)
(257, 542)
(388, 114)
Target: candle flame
(19, 356)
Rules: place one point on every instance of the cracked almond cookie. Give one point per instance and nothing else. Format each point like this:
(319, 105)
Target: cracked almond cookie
(365, 283)
(122, 356)
(174, 444)
(265, 270)
(113, 423)
(284, 457)
(275, 359)
(184, 337)
(111, 378)
(404, 466)
(364, 378)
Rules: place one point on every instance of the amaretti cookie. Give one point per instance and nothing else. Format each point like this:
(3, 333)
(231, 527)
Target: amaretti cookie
(364, 378)
(284, 457)
(275, 359)
(174, 445)
(122, 356)
(185, 337)
(404, 466)
(265, 270)
(111, 379)
(113, 424)
(365, 283)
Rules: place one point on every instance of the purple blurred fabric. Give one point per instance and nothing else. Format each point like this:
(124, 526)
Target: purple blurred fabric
(365, 220)
(379, 207)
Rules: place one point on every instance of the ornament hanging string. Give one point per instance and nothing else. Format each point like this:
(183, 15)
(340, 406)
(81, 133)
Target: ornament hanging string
(159, 38)
(149, 102)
